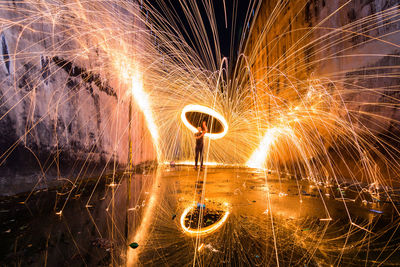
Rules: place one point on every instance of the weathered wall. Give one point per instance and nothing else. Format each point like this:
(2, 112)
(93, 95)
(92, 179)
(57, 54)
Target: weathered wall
(355, 45)
(348, 48)
(58, 117)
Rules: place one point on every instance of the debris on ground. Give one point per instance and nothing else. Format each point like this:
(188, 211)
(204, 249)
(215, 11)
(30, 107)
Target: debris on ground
(102, 243)
(137, 207)
(237, 191)
(210, 247)
(134, 245)
(377, 211)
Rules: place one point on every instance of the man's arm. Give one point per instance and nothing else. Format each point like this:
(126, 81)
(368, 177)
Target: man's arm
(200, 136)
(205, 127)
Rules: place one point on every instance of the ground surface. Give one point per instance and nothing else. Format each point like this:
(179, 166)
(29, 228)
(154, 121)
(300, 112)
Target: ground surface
(270, 219)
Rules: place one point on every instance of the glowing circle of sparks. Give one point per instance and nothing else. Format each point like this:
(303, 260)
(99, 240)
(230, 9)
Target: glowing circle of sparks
(208, 111)
(202, 231)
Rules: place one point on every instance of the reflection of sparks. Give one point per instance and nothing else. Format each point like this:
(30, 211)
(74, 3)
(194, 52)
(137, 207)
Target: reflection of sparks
(202, 231)
(208, 111)
(143, 228)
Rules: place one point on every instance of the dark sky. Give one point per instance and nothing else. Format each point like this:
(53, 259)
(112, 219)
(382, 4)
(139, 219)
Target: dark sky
(226, 32)
(235, 9)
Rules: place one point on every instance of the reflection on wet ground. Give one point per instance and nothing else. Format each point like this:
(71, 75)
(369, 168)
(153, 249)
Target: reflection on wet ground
(256, 219)
(202, 217)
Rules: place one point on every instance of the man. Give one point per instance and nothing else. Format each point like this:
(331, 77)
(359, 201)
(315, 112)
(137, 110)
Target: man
(199, 147)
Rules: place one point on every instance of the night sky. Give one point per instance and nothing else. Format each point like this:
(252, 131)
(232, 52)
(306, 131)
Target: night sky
(236, 11)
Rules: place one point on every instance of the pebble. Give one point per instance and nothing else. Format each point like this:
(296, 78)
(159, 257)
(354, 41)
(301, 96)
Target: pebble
(134, 245)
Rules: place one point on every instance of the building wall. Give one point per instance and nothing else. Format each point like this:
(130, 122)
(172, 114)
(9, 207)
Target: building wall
(350, 51)
(351, 45)
(61, 114)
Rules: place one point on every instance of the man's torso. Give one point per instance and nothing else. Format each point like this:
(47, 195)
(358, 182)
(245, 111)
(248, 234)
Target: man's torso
(199, 142)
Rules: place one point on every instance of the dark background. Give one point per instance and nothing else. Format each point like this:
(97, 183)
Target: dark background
(230, 24)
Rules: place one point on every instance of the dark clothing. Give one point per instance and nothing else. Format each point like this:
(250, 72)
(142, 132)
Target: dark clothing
(199, 142)
(199, 152)
(199, 149)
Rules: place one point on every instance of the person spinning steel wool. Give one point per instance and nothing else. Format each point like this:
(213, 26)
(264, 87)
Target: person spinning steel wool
(199, 145)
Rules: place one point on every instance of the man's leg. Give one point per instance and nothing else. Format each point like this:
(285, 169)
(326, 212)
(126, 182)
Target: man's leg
(196, 158)
(201, 157)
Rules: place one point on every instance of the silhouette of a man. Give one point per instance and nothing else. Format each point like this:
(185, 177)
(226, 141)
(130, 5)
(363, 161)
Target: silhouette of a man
(199, 146)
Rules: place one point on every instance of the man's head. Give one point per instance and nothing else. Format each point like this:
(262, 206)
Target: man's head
(199, 129)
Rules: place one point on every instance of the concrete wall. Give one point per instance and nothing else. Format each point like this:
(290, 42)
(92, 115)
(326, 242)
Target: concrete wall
(355, 45)
(349, 48)
(61, 115)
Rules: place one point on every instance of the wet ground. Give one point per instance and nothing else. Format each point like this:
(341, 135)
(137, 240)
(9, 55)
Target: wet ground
(218, 217)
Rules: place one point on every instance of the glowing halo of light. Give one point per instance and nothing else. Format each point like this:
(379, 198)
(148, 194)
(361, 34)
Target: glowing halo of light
(205, 230)
(207, 111)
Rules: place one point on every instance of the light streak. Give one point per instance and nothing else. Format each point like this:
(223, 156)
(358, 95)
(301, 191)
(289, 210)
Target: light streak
(202, 231)
(208, 111)
(260, 155)
(143, 101)
(200, 247)
(143, 227)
